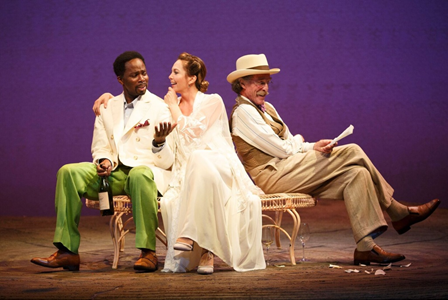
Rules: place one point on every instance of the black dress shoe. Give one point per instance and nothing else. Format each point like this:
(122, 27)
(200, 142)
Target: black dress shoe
(60, 259)
(376, 255)
(147, 262)
(416, 214)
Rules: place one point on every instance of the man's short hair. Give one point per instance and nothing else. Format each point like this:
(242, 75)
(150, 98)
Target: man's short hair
(122, 59)
(236, 84)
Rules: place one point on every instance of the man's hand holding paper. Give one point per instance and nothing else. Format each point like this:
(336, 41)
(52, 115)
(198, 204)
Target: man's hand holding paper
(326, 146)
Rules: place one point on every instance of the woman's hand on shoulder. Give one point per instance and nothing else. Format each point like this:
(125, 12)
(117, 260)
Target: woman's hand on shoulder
(103, 99)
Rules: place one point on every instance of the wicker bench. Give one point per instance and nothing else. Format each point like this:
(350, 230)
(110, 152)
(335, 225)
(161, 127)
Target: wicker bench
(120, 226)
(285, 202)
(278, 203)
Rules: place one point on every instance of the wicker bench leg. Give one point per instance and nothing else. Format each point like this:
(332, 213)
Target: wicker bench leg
(116, 231)
(279, 203)
(161, 236)
(120, 227)
(295, 230)
(117, 228)
(278, 222)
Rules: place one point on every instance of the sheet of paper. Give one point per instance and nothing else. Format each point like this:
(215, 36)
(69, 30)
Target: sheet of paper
(346, 132)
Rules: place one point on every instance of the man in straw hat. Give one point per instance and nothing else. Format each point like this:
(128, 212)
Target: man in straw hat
(278, 162)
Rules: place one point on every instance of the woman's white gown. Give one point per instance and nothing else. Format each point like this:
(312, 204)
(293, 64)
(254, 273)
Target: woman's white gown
(211, 199)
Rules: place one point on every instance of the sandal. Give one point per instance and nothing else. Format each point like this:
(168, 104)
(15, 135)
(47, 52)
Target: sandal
(183, 244)
(206, 263)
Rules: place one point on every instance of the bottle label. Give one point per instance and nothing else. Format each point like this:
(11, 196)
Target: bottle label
(104, 201)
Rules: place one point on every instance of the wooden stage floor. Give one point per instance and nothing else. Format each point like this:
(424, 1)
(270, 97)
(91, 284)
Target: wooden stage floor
(425, 247)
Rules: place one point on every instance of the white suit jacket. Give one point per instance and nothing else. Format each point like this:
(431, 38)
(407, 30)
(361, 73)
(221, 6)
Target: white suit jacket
(133, 146)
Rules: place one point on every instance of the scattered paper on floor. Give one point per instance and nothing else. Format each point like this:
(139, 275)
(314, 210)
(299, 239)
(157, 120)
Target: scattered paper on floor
(380, 272)
(351, 271)
(335, 266)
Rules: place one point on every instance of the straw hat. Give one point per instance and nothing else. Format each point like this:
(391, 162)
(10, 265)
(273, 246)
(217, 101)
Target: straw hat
(251, 64)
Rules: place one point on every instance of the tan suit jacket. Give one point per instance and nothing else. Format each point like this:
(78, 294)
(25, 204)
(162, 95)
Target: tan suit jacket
(132, 146)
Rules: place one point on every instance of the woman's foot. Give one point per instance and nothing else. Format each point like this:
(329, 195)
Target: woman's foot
(183, 244)
(206, 263)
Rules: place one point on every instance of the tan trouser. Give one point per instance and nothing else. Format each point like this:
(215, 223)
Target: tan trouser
(346, 174)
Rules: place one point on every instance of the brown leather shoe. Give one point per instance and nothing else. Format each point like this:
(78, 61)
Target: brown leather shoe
(147, 262)
(416, 214)
(60, 259)
(376, 255)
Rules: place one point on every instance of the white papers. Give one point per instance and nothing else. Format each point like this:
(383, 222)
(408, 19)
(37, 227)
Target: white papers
(352, 271)
(346, 132)
(371, 271)
(380, 272)
(406, 266)
(334, 266)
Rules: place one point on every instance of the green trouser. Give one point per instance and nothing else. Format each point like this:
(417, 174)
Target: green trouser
(80, 180)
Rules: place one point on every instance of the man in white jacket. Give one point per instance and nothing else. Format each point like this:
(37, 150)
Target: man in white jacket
(129, 148)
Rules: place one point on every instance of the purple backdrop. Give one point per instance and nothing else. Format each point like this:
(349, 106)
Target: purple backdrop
(379, 65)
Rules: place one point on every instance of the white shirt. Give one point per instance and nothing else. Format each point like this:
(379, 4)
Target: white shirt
(251, 127)
(128, 109)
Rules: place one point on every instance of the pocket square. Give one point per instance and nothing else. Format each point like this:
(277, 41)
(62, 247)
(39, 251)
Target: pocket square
(139, 125)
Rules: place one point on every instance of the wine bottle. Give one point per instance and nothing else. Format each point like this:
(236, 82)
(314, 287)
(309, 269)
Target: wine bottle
(106, 198)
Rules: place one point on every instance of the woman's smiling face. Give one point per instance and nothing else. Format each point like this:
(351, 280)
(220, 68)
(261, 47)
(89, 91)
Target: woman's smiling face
(178, 78)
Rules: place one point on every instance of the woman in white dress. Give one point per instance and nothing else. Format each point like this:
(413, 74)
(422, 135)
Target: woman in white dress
(211, 206)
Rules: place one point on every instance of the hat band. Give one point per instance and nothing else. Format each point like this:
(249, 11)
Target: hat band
(260, 68)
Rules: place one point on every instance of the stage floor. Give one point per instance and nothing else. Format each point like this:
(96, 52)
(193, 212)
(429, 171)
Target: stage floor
(425, 247)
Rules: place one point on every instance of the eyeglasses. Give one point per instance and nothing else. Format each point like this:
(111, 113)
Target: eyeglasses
(262, 83)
